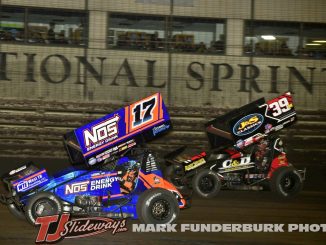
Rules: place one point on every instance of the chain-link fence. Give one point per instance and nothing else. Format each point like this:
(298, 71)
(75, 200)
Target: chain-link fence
(197, 53)
(63, 63)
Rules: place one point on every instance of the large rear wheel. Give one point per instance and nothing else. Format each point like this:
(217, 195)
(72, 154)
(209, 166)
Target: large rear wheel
(42, 204)
(157, 206)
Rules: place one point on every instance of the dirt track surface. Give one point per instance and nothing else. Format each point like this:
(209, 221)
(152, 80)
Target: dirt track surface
(237, 207)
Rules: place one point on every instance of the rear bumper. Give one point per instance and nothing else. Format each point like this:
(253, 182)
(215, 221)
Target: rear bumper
(3, 199)
(302, 173)
(188, 201)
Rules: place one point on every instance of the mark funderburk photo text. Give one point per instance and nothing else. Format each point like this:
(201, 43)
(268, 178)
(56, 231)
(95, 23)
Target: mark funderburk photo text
(229, 228)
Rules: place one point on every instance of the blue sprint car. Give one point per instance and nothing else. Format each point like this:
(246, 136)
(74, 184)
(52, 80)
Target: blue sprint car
(112, 175)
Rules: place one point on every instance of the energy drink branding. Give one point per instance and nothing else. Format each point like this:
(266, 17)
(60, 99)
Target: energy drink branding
(103, 183)
(101, 133)
(145, 119)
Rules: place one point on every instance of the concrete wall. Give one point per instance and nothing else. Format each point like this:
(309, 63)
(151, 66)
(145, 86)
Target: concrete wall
(192, 75)
(46, 91)
(59, 75)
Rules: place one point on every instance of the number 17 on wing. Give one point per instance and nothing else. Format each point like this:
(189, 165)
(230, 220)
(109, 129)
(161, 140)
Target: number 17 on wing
(144, 113)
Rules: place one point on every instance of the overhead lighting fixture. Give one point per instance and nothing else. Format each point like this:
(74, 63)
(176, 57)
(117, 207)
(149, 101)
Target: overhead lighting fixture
(268, 37)
(313, 44)
(319, 41)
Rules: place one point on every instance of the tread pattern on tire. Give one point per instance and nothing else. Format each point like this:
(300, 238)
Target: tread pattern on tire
(217, 183)
(276, 178)
(34, 199)
(142, 206)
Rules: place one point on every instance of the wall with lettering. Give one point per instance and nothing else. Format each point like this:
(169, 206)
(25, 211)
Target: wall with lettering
(76, 74)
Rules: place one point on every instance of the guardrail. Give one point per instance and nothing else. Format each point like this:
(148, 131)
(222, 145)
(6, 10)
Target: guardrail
(34, 128)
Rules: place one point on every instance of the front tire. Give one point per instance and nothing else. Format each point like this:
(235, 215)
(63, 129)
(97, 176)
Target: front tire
(286, 182)
(206, 183)
(157, 206)
(42, 204)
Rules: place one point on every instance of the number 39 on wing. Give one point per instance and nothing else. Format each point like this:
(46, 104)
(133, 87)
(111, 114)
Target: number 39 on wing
(279, 106)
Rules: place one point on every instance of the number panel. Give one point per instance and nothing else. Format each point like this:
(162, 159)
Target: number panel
(144, 112)
(279, 107)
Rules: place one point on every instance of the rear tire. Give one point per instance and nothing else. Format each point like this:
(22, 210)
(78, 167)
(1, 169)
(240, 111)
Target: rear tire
(286, 182)
(157, 206)
(206, 183)
(42, 204)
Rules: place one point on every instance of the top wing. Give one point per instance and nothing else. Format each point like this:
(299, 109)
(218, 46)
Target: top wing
(247, 124)
(119, 131)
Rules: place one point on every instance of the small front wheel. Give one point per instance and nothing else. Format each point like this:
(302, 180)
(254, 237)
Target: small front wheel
(286, 182)
(157, 206)
(206, 183)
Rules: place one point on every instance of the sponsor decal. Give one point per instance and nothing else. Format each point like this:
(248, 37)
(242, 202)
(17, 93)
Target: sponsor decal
(255, 176)
(150, 164)
(31, 181)
(203, 154)
(248, 124)
(119, 131)
(240, 144)
(195, 164)
(12, 172)
(236, 164)
(268, 128)
(103, 183)
(156, 180)
(65, 227)
(76, 187)
(102, 133)
(112, 151)
(159, 129)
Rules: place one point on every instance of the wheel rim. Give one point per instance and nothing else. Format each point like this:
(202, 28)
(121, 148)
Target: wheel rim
(288, 182)
(206, 184)
(161, 209)
(44, 207)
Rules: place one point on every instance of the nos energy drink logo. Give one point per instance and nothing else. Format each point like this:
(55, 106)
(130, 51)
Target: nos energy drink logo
(248, 124)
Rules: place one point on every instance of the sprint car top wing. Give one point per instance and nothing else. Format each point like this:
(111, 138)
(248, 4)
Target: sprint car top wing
(247, 124)
(119, 131)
